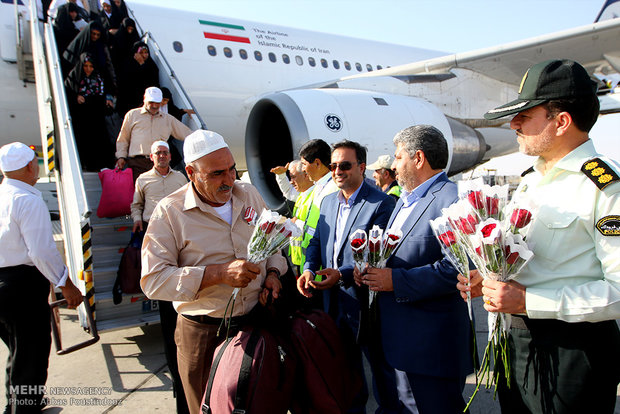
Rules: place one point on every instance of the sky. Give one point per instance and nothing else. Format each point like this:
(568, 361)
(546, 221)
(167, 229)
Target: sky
(446, 25)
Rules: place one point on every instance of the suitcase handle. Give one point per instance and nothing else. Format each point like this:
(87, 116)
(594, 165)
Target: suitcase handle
(92, 329)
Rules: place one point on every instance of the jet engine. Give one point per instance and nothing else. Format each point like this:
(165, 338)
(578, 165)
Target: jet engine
(280, 123)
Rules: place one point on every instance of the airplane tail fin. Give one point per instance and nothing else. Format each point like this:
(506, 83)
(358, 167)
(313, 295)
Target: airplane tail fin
(610, 10)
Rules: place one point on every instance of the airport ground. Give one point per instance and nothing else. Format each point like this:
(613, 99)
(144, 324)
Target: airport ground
(126, 372)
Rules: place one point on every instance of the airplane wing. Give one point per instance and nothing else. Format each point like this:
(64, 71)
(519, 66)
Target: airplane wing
(596, 46)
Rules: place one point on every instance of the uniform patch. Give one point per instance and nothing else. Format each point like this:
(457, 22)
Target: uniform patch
(609, 226)
(599, 172)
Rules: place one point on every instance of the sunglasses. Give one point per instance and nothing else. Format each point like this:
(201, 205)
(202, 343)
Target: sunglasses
(344, 166)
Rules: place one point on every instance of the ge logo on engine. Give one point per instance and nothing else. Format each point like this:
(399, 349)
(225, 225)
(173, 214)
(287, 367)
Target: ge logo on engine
(333, 122)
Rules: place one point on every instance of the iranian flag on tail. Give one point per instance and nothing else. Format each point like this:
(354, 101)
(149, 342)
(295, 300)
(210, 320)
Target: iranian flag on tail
(224, 31)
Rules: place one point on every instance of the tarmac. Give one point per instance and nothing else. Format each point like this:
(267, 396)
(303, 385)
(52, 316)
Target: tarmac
(126, 372)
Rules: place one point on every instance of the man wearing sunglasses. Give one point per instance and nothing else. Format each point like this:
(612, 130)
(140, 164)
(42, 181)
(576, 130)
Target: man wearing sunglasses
(329, 263)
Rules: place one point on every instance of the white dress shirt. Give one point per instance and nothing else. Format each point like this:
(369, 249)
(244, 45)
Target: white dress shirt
(26, 231)
(344, 209)
(410, 199)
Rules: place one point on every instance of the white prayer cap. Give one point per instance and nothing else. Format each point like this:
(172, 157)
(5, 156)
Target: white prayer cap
(105, 1)
(200, 143)
(15, 156)
(158, 144)
(152, 94)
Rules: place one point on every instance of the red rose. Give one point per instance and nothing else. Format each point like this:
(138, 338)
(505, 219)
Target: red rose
(512, 258)
(447, 238)
(357, 243)
(488, 229)
(374, 247)
(467, 225)
(475, 199)
(270, 226)
(492, 205)
(520, 217)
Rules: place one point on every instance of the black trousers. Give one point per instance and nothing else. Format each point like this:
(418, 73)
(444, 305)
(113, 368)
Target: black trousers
(168, 318)
(559, 367)
(25, 329)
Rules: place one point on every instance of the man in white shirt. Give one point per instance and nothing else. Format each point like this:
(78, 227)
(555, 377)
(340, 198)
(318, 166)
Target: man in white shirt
(29, 261)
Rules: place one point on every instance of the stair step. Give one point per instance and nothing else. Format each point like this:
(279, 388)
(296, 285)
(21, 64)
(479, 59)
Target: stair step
(128, 322)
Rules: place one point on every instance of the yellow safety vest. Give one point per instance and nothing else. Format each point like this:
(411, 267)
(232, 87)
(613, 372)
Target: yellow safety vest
(300, 210)
(394, 191)
(315, 213)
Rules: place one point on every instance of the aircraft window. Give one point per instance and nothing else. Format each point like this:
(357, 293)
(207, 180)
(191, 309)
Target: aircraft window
(311, 61)
(299, 60)
(177, 46)
(323, 63)
(369, 67)
(347, 65)
(243, 54)
(358, 67)
(379, 67)
(380, 101)
(212, 50)
(227, 52)
(258, 55)
(272, 57)
(336, 64)
(286, 59)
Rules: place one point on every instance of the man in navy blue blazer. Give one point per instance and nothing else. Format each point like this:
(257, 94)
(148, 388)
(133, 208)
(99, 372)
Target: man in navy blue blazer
(357, 205)
(423, 320)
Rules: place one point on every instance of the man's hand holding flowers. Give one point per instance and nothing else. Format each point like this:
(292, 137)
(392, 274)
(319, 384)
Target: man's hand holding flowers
(378, 280)
(505, 297)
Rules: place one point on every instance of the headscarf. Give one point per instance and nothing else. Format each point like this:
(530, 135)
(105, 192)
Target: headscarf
(123, 41)
(64, 29)
(118, 14)
(80, 84)
(82, 43)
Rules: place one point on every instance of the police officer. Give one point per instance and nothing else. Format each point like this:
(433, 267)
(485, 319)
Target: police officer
(564, 340)
(29, 261)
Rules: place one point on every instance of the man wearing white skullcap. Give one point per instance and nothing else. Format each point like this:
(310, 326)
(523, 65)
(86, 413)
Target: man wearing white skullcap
(194, 254)
(143, 126)
(29, 261)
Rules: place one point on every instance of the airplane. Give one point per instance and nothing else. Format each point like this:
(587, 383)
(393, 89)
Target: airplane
(268, 89)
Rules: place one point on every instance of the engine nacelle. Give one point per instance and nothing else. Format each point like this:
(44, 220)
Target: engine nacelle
(280, 123)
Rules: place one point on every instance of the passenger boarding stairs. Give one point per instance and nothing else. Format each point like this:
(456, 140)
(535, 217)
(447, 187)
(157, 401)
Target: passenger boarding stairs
(93, 246)
(109, 238)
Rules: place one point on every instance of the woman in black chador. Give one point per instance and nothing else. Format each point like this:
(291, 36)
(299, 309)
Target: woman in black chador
(88, 98)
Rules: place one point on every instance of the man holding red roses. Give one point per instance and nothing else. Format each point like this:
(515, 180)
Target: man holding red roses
(564, 339)
(425, 328)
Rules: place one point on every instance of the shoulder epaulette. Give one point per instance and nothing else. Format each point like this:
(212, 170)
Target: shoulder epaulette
(599, 172)
(526, 172)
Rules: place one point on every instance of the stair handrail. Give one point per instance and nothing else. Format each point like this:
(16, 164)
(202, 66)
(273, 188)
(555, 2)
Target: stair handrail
(182, 99)
(61, 154)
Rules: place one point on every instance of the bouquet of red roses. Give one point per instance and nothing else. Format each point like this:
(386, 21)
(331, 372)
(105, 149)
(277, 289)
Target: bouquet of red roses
(272, 232)
(375, 250)
(453, 251)
(492, 232)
